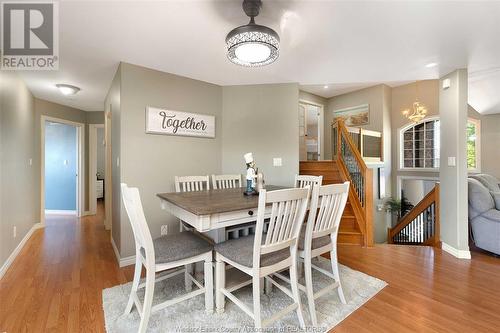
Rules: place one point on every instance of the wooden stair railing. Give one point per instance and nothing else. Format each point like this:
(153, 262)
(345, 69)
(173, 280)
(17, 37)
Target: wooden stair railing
(353, 168)
(420, 226)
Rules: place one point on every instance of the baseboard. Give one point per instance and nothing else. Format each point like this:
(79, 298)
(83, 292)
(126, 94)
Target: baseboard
(87, 213)
(60, 212)
(18, 249)
(122, 262)
(460, 254)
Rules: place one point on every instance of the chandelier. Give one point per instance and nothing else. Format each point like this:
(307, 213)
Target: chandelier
(419, 110)
(252, 45)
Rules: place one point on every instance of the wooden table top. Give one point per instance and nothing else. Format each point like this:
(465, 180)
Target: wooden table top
(215, 201)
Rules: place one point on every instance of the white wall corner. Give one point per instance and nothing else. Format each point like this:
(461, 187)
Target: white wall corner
(18, 248)
(122, 262)
(460, 254)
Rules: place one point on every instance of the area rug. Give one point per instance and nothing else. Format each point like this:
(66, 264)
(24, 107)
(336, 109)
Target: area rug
(190, 316)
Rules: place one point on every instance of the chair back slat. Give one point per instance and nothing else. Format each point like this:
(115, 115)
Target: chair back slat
(226, 181)
(302, 181)
(326, 209)
(192, 183)
(288, 208)
(133, 207)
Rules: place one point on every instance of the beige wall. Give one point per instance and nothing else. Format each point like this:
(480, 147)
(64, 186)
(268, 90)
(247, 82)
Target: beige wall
(490, 144)
(262, 119)
(46, 108)
(150, 162)
(19, 193)
(113, 207)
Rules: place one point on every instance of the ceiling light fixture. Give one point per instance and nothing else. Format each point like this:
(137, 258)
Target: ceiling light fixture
(325, 87)
(252, 45)
(67, 89)
(431, 64)
(419, 110)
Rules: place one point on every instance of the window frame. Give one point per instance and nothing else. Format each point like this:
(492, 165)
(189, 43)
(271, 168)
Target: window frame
(403, 129)
(477, 123)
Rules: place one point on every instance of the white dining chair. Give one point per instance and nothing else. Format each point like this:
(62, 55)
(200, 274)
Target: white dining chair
(192, 183)
(226, 181)
(319, 236)
(305, 180)
(165, 253)
(262, 254)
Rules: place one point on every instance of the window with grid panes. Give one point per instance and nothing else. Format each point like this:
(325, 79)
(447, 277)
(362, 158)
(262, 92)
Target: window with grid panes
(420, 145)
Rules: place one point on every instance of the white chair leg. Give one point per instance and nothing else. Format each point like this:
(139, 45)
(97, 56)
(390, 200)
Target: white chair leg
(135, 284)
(335, 271)
(220, 282)
(209, 286)
(148, 301)
(295, 291)
(256, 301)
(187, 280)
(310, 291)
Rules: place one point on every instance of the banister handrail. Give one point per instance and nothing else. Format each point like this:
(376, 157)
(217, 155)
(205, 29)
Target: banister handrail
(431, 198)
(361, 181)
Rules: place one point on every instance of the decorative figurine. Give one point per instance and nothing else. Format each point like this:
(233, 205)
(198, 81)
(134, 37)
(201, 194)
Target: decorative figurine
(251, 174)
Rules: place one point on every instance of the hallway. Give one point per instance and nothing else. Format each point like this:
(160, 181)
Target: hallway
(56, 281)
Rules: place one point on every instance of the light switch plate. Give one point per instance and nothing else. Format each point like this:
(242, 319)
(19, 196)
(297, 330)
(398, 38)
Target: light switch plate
(452, 161)
(277, 162)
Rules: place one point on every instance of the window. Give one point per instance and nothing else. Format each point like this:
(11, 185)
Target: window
(420, 144)
(474, 144)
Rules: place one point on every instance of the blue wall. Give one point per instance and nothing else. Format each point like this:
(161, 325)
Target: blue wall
(60, 178)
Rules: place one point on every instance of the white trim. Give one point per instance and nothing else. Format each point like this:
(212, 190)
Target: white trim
(93, 166)
(122, 262)
(460, 254)
(400, 178)
(18, 249)
(80, 169)
(87, 213)
(321, 134)
(60, 212)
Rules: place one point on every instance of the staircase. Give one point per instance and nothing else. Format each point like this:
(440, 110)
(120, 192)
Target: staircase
(349, 232)
(420, 226)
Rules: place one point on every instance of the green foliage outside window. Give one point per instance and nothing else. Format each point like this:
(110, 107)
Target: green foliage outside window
(471, 145)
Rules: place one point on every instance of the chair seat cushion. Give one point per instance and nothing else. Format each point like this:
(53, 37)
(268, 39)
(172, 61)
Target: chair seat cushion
(240, 250)
(179, 246)
(316, 243)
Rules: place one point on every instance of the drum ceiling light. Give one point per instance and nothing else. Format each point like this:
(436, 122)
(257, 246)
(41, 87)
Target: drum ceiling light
(252, 45)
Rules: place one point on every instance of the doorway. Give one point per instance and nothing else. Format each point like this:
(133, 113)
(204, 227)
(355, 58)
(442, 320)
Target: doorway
(62, 190)
(310, 131)
(97, 168)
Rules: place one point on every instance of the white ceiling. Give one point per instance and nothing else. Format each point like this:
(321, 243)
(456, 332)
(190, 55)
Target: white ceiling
(346, 45)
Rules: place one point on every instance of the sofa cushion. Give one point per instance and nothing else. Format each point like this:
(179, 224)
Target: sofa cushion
(490, 182)
(493, 215)
(480, 199)
(496, 198)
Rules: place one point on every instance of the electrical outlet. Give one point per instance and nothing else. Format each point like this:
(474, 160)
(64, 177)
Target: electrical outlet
(277, 162)
(164, 229)
(117, 162)
(14, 232)
(31, 161)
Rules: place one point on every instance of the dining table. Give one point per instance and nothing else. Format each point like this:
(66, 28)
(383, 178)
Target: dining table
(211, 211)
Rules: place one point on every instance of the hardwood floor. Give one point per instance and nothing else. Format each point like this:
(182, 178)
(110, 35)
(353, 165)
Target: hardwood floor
(55, 285)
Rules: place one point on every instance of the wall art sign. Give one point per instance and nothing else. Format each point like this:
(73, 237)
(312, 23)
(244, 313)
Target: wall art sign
(169, 122)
